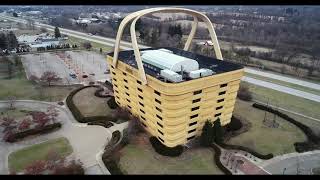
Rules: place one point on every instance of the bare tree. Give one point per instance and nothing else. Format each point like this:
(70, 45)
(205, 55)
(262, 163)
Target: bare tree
(49, 77)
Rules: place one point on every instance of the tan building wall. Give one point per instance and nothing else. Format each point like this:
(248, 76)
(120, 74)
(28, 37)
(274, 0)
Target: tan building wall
(175, 112)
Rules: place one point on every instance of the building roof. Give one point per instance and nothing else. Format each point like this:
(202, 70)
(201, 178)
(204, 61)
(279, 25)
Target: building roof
(216, 65)
(165, 59)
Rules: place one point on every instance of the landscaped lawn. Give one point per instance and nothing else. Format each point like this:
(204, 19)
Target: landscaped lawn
(89, 104)
(18, 160)
(142, 159)
(13, 113)
(20, 87)
(265, 139)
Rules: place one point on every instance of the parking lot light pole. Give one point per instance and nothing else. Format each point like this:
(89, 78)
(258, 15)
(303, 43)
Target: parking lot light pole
(284, 169)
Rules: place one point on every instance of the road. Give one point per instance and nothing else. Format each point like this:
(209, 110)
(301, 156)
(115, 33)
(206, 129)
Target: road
(127, 45)
(283, 89)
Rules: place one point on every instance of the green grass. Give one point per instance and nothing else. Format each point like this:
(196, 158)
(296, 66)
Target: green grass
(284, 100)
(18, 160)
(283, 83)
(89, 104)
(20, 87)
(14, 113)
(264, 139)
(142, 159)
(95, 46)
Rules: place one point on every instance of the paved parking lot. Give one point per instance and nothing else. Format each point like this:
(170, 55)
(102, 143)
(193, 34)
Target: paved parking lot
(37, 64)
(66, 63)
(88, 63)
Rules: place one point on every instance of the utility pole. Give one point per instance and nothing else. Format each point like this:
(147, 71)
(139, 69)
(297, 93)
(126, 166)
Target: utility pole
(265, 112)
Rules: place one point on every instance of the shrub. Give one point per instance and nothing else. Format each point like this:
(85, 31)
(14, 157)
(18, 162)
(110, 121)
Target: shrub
(164, 150)
(112, 103)
(39, 130)
(61, 103)
(98, 93)
(73, 168)
(116, 135)
(244, 93)
(234, 125)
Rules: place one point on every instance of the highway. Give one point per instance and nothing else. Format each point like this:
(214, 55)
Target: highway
(127, 45)
(283, 89)
(283, 78)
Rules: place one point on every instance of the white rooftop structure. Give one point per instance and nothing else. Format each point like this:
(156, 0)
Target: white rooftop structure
(45, 44)
(165, 59)
(27, 38)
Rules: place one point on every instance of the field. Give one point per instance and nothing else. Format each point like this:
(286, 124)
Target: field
(18, 160)
(13, 113)
(142, 159)
(265, 139)
(90, 105)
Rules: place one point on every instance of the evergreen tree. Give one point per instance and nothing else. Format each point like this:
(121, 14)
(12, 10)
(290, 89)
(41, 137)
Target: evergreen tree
(57, 32)
(217, 131)
(3, 41)
(154, 37)
(207, 135)
(12, 41)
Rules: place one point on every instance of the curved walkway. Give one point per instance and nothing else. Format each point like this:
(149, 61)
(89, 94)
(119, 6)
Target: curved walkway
(241, 162)
(87, 141)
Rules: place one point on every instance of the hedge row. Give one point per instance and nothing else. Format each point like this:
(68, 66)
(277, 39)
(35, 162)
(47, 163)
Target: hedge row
(217, 155)
(164, 150)
(309, 133)
(261, 156)
(41, 130)
(105, 124)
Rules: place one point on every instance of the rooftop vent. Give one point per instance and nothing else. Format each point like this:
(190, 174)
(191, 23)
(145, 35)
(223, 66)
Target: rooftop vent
(170, 75)
(200, 73)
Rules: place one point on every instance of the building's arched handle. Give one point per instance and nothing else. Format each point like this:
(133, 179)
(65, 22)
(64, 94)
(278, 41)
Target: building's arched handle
(137, 15)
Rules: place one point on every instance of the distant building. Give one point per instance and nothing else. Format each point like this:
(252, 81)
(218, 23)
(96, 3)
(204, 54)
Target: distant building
(36, 41)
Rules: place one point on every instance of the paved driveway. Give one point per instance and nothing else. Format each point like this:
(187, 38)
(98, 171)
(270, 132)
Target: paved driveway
(293, 163)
